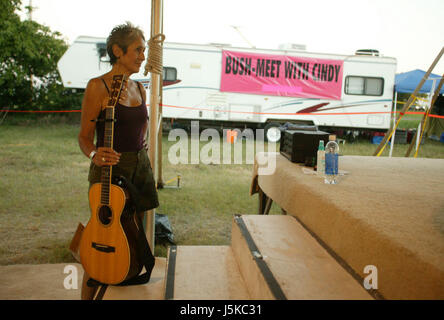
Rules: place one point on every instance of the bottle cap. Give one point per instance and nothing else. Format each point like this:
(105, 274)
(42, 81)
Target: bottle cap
(332, 137)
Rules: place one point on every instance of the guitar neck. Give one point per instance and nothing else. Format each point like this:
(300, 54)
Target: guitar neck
(116, 88)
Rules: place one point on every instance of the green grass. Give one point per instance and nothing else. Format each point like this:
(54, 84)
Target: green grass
(410, 121)
(43, 192)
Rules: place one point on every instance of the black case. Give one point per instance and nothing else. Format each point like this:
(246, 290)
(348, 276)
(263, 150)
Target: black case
(302, 146)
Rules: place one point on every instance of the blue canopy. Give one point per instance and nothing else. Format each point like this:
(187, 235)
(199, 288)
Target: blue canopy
(408, 81)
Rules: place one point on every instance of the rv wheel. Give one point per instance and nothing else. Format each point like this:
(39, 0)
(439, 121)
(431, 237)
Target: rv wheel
(272, 132)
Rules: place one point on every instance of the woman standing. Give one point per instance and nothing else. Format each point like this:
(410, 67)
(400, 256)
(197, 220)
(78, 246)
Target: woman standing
(126, 49)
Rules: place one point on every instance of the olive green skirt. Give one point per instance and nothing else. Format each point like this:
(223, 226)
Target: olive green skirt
(136, 168)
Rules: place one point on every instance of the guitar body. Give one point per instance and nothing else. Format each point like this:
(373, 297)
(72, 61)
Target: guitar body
(108, 247)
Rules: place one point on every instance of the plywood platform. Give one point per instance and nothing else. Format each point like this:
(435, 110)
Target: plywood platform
(386, 212)
(207, 273)
(46, 282)
(153, 290)
(273, 247)
(38, 282)
(300, 266)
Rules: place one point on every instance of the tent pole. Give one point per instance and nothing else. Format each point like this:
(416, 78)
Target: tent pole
(409, 102)
(160, 183)
(435, 96)
(155, 87)
(393, 124)
(417, 136)
(159, 180)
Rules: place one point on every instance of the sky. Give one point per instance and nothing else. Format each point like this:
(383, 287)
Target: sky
(409, 30)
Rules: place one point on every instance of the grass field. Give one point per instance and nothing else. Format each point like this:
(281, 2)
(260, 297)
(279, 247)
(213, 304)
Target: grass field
(43, 192)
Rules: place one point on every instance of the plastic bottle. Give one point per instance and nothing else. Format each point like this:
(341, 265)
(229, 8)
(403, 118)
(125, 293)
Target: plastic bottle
(331, 161)
(321, 158)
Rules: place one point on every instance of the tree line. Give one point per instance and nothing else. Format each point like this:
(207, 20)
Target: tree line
(29, 79)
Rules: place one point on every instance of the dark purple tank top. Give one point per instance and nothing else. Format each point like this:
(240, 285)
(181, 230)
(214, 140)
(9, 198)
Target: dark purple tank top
(128, 128)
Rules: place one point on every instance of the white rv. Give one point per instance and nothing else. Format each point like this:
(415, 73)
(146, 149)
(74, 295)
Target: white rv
(230, 87)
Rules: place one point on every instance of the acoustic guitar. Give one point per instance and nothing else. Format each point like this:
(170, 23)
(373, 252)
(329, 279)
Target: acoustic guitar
(108, 250)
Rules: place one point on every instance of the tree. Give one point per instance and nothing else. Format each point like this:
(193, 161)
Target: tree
(29, 79)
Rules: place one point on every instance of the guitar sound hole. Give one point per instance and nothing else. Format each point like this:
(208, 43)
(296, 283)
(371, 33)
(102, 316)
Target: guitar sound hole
(105, 215)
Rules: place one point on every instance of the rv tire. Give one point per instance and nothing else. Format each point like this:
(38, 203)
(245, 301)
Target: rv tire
(272, 132)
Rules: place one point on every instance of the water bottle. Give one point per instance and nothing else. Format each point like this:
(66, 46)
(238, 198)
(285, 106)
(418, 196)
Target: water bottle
(320, 165)
(331, 160)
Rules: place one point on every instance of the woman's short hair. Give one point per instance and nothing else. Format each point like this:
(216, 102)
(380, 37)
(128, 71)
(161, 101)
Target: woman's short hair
(122, 35)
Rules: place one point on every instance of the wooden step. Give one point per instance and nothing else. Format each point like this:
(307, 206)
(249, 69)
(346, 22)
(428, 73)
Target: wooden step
(153, 290)
(203, 273)
(279, 259)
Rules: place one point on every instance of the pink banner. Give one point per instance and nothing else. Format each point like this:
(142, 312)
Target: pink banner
(281, 75)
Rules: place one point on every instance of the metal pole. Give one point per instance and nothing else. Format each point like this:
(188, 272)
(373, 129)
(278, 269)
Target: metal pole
(30, 8)
(393, 124)
(422, 123)
(155, 86)
(160, 182)
(426, 114)
(418, 134)
(435, 96)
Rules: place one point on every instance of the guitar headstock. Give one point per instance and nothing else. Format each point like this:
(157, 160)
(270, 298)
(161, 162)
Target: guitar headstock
(119, 81)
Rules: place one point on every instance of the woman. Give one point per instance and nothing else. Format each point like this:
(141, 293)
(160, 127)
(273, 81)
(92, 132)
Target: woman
(125, 47)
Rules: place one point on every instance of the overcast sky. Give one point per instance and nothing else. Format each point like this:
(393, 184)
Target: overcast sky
(409, 30)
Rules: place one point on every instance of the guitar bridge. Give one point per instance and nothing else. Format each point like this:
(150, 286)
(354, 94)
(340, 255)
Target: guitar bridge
(103, 247)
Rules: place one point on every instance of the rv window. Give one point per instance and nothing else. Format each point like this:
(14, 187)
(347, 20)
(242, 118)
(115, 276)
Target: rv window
(101, 50)
(364, 86)
(354, 85)
(169, 74)
(374, 86)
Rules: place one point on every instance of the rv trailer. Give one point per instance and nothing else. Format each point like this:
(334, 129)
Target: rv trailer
(229, 87)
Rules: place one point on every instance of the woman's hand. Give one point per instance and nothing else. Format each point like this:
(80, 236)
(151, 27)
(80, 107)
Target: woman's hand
(106, 157)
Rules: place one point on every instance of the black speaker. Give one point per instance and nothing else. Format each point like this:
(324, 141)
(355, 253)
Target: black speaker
(302, 146)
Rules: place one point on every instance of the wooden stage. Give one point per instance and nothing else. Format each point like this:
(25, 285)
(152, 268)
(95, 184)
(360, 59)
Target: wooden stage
(385, 212)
